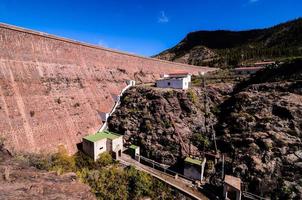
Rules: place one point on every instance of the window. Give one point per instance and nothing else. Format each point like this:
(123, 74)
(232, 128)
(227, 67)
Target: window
(169, 83)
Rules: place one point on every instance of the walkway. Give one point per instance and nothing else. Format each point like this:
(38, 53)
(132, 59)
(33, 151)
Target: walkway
(178, 183)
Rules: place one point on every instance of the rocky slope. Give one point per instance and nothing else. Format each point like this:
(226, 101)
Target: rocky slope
(258, 126)
(20, 181)
(223, 48)
(165, 123)
(260, 130)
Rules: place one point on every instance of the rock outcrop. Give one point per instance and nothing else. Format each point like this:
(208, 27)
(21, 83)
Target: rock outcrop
(261, 133)
(165, 122)
(52, 90)
(20, 181)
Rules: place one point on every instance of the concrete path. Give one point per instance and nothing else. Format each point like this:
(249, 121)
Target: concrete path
(182, 185)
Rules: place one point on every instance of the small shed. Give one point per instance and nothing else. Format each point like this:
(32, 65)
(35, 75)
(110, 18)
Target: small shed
(194, 168)
(232, 187)
(134, 151)
(104, 141)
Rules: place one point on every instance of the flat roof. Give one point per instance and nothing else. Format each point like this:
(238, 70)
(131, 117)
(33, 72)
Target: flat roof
(132, 146)
(233, 181)
(193, 161)
(102, 135)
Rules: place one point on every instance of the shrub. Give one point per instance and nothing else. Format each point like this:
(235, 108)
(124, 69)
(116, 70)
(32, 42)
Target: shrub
(108, 183)
(140, 183)
(192, 96)
(84, 161)
(200, 140)
(61, 162)
(42, 162)
(104, 159)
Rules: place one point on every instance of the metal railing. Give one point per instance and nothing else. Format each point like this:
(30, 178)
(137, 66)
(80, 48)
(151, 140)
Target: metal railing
(164, 169)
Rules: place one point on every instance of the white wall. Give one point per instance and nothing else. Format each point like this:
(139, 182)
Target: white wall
(117, 144)
(97, 145)
(180, 83)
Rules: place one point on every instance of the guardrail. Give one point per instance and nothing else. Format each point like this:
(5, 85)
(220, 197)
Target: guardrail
(252, 196)
(164, 169)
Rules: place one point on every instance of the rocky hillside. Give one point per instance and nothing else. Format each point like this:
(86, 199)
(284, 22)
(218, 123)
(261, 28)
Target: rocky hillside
(257, 123)
(260, 129)
(224, 48)
(166, 124)
(19, 180)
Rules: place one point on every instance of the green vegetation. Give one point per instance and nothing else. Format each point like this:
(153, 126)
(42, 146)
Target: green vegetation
(200, 141)
(107, 180)
(192, 96)
(288, 71)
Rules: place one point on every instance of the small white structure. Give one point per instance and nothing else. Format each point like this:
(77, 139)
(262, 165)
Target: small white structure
(232, 188)
(134, 152)
(194, 169)
(93, 145)
(175, 80)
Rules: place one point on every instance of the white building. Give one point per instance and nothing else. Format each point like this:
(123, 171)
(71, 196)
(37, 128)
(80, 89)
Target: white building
(94, 145)
(175, 80)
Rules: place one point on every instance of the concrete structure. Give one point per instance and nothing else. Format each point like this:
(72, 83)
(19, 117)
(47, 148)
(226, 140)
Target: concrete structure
(172, 179)
(194, 168)
(264, 63)
(175, 80)
(232, 188)
(134, 152)
(246, 70)
(65, 84)
(101, 142)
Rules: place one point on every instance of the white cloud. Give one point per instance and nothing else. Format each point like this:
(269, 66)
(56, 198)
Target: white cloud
(163, 18)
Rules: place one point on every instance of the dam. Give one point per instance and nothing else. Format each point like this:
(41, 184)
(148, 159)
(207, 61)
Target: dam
(52, 89)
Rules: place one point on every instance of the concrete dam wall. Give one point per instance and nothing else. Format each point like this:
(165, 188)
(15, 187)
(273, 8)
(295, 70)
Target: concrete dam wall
(52, 90)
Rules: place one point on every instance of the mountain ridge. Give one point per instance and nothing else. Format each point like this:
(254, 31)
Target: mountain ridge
(226, 48)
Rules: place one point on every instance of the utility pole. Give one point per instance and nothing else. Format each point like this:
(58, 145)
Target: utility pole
(205, 104)
(222, 170)
(207, 114)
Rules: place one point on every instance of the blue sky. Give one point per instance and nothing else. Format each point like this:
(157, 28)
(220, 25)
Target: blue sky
(143, 27)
